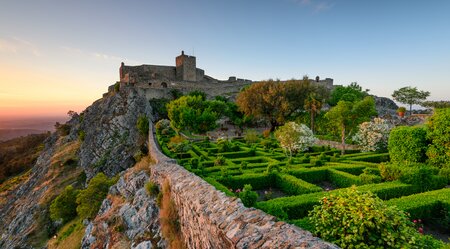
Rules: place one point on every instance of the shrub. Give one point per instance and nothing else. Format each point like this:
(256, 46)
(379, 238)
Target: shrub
(194, 162)
(266, 133)
(62, 129)
(343, 179)
(422, 176)
(64, 206)
(294, 186)
(376, 158)
(258, 181)
(251, 136)
(178, 144)
(219, 161)
(373, 135)
(272, 167)
(248, 197)
(439, 134)
(389, 171)
(368, 176)
(142, 125)
(152, 188)
(117, 87)
(407, 144)
(81, 135)
(361, 220)
(445, 173)
(90, 199)
(244, 165)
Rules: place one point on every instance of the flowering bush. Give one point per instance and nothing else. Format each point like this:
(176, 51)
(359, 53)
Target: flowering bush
(373, 135)
(354, 219)
(295, 137)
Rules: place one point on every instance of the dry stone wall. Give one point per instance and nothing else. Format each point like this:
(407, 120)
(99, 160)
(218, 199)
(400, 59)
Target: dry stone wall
(210, 219)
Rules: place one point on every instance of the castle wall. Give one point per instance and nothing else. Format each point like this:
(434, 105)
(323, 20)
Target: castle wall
(146, 73)
(210, 219)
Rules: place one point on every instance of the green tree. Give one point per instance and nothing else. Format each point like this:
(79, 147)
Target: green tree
(194, 113)
(438, 151)
(64, 206)
(90, 199)
(352, 92)
(410, 95)
(346, 116)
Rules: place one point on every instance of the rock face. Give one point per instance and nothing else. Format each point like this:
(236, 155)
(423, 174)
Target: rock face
(24, 218)
(128, 217)
(385, 106)
(111, 137)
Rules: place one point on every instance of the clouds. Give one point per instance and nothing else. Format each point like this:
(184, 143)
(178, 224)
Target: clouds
(15, 45)
(76, 52)
(317, 6)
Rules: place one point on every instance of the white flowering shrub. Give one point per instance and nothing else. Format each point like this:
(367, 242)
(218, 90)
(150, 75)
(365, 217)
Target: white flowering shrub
(295, 137)
(373, 135)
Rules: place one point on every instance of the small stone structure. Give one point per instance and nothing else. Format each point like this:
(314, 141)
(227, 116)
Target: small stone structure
(210, 219)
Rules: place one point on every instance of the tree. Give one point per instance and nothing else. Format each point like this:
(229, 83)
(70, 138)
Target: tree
(64, 206)
(352, 92)
(436, 104)
(194, 113)
(90, 199)
(275, 101)
(373, 135)
(346, 116)
(294, 137)
(313, 106)
(410, 95)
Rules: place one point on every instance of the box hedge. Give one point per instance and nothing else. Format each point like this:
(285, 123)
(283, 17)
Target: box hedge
(291, 185)
(407, 144)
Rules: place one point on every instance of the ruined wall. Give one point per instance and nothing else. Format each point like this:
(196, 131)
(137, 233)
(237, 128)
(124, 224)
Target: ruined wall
(146, 73)
(210, 219)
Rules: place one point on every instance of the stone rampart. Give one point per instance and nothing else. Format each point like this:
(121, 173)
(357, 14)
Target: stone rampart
(210, 219)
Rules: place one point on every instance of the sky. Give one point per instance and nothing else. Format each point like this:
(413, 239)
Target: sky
(57, 56)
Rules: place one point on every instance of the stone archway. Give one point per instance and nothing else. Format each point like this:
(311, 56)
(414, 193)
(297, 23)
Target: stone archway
(164, 85)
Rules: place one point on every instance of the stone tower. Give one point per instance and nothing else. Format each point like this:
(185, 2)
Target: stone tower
(186, 67)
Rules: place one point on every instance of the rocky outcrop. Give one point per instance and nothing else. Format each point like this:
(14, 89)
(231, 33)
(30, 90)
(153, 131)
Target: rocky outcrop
(385, 106)
(111, 138)
(24, 218)
(128, 217)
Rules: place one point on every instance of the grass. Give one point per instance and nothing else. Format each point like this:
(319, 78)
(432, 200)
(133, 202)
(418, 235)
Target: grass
(69, 236)
(168, 215)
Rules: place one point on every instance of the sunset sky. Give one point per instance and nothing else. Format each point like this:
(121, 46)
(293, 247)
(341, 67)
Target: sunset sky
(61, 55)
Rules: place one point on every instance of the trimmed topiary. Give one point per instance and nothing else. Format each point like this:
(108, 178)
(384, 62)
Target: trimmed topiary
(407, 144)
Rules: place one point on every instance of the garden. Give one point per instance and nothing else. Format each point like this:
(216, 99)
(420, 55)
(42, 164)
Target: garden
(392, 192)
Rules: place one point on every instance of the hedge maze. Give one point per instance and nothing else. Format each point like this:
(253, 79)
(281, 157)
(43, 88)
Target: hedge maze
(288, 188)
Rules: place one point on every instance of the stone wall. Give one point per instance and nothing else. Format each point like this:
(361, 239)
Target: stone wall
(210, 219)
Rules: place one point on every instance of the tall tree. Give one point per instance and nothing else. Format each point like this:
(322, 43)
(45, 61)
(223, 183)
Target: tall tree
(313, 106)
(275, 101)
(346, 116)
(352, 92)
(410, 95)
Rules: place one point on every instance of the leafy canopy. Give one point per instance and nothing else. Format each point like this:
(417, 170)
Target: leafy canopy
(410, 95)
(275, 101)
(346, 115)
(64, 206)
(352, 92)
(90, 199)
(194, 113)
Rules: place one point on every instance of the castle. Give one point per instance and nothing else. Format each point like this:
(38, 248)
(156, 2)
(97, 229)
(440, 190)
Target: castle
(158, 81)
